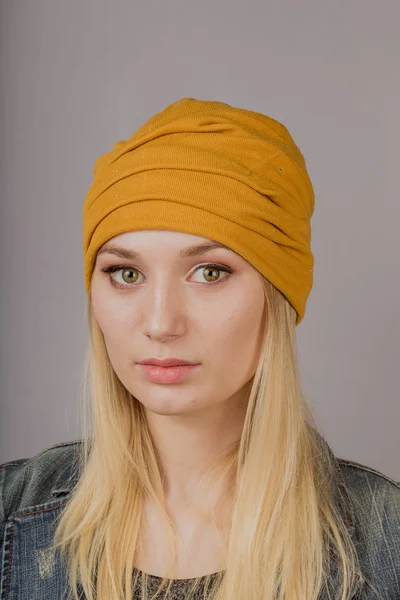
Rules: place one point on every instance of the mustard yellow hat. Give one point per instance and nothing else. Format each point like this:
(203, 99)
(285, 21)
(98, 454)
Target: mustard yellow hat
(216, 171)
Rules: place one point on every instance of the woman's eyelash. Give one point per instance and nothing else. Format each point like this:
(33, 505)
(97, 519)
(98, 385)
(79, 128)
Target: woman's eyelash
(115, 268)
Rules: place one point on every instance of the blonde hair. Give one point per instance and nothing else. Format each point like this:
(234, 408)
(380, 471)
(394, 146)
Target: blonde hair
(280, 477)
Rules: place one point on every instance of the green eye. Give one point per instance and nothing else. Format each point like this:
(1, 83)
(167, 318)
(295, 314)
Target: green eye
(210, 270)
(129, 270)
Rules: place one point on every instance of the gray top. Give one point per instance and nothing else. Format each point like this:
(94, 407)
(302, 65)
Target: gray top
(179, 587)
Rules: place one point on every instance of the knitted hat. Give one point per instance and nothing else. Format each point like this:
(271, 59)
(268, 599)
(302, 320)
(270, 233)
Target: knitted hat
(207, 168)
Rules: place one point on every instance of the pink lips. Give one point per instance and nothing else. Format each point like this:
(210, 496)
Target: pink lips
(165, 362)
(170, 374)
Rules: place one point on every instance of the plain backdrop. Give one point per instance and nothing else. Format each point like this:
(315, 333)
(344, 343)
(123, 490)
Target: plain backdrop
(76, 76)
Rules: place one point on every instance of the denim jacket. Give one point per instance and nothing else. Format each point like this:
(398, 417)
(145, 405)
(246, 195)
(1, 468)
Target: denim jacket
(35, 490)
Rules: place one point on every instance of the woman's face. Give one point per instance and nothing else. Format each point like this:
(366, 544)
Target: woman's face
(162, 304)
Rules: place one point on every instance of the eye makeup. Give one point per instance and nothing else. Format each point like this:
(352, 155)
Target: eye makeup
(116, 268)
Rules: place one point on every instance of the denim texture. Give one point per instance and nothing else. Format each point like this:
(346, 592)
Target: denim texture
(35, 490)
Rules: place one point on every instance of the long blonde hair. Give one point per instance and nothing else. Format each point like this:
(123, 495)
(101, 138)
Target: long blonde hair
(283, 518)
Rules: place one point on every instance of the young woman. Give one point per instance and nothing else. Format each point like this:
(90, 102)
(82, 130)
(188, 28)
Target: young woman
(203, 474)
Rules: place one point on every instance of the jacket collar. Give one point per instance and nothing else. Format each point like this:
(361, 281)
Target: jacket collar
(69, 477)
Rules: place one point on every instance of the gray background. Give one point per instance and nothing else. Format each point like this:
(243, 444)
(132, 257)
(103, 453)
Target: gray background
(76, 76)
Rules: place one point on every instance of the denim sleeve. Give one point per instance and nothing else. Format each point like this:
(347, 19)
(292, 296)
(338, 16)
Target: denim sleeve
(375, 502)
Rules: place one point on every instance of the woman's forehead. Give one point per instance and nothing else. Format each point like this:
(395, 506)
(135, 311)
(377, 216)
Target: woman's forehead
(158, 234)
(188, 244)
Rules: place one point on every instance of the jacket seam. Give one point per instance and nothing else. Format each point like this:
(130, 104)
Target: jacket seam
(26, 461)
(12, 536)
(356, 465)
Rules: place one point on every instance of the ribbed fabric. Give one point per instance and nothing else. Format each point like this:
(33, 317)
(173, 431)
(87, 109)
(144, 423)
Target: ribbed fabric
(210, 169)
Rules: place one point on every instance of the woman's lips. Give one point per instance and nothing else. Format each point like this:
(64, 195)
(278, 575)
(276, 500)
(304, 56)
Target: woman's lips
(166, 374)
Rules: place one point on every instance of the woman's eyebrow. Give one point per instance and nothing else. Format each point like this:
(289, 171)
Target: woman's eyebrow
(185, 253)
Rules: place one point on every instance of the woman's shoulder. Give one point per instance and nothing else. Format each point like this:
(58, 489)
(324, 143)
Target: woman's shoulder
(29, 481)
(57, 450)
(373, 500)
(366, 482)
(373, 517)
